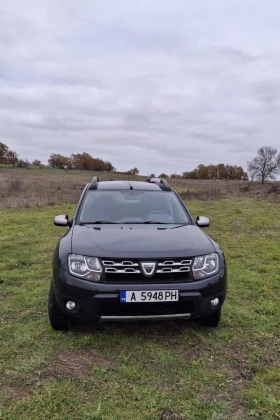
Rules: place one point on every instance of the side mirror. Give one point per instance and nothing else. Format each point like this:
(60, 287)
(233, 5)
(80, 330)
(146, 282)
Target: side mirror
(61, 220)
(202, 221)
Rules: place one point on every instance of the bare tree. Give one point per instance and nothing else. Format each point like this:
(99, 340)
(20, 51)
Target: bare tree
(265, 165)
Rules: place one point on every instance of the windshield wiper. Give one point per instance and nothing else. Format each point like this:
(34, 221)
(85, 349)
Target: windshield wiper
(180, 225)
(154, 222)
(99, 222)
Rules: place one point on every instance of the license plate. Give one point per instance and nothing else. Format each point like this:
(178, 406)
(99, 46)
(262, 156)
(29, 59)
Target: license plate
(149, 296)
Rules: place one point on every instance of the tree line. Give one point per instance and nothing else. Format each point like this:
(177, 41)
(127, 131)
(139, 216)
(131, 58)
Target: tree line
(264, 166)
(7, 156)
(220, 171)
(81, 161)
(10, 157)
(84, 161)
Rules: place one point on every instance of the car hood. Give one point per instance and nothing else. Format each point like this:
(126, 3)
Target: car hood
(140, 241)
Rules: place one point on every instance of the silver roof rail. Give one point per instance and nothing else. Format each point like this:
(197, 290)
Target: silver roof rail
(94, 183)
(162, 183)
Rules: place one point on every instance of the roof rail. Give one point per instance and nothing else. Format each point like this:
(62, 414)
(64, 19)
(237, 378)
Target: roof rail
(94, 183)
(162, 183)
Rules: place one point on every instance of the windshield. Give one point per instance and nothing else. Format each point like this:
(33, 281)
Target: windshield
(132, 206)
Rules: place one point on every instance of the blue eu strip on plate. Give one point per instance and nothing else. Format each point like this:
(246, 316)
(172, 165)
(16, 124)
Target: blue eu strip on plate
(123, 296)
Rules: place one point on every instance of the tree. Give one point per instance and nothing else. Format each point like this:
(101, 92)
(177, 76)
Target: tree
(37, 162)
(189, 175)
(108, 167)
(245, 177)
(11, 158)
(202, 172)
(134, 171)
(23, 163)
(212, 172)
(163, 175)
(176, 176)
(238, 173)
(3, 152)
(98, 164)
(221, 171)
(58, 161)
(83, 161)
(265, 165)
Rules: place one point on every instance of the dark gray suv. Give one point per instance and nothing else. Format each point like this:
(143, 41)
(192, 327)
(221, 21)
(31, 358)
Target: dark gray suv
(133, 252)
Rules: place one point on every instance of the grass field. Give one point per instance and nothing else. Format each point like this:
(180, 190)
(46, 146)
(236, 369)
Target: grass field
(145, 371)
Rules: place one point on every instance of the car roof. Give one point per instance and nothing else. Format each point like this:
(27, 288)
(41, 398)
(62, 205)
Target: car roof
(126, 185)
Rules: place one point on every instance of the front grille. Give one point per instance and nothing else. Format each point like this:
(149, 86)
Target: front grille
(121, 267)
(138, 309)
(129, 271)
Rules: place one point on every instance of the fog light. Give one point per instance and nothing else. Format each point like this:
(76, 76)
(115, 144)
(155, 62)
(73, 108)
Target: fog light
(70, 305)
(215, 302)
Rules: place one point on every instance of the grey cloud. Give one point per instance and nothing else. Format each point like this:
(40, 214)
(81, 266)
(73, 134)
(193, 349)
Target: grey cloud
(268, 92)
(161, 85)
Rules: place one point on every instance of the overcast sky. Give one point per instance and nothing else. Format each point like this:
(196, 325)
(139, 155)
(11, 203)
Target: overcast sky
(163, 85)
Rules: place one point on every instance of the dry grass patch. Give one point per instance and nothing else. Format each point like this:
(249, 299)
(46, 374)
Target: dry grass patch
(270, 354)
(167, 414)
(193, 353)
(74, 364)
(33, 188)
(3, 319)
(15, 394)
(195, 189)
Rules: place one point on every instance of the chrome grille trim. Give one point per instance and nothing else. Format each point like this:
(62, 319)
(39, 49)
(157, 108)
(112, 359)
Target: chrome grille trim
(172, 263)
(130, 267)
(126, 270)
(119, 264)
(174, 270)
(121, 267)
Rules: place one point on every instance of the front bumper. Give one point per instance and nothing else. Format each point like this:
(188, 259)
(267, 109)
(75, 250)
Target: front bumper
(101, 301)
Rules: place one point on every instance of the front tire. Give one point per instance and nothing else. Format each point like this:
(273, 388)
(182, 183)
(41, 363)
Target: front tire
(58, 320)
(211, 320)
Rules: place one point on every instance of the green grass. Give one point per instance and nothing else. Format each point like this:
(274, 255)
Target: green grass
(148, 371)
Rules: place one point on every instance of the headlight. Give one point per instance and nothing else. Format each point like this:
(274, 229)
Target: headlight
(205, 266)
(88, 268)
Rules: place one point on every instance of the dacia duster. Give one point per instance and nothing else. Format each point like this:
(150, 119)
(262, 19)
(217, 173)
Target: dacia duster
(132, 251)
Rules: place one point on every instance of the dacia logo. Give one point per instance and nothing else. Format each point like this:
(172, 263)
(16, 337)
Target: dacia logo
(148, 268)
